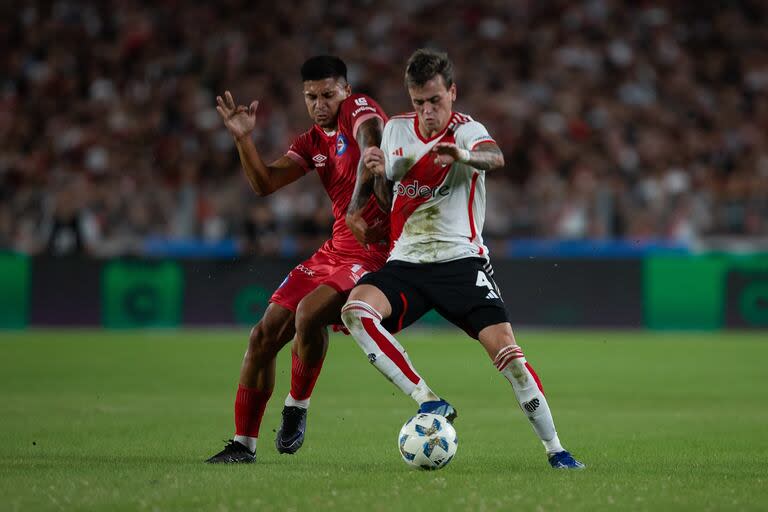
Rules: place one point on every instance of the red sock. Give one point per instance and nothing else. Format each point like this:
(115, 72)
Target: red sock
(303, 377)
(249, 409)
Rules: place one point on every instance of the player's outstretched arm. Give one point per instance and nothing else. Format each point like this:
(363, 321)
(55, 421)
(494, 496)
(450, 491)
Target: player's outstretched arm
(241, 121)
(368, 136)
(486, 156)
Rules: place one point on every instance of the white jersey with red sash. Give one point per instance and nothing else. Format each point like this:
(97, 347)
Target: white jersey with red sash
(437, 211)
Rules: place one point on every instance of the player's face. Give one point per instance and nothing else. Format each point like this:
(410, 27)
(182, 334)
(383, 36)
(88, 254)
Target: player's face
(323, 98)
(433, 103)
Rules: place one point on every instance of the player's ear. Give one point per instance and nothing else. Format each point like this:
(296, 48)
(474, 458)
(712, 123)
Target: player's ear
(347, 89)
(452, 90)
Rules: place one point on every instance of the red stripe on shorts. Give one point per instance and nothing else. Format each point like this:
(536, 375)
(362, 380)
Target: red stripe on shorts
(402, 315)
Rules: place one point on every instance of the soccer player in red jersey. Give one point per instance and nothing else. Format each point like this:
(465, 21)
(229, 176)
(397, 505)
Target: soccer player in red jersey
(438, 159)
(311, 297)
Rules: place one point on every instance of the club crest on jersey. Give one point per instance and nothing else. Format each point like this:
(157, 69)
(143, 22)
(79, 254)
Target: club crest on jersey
(341, 145)
(361, 101)
(414, 190)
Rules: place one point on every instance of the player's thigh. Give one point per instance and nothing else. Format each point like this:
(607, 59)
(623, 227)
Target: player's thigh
(345, 272)
(372, 295)
(395, 288)
(319, 308)
(335, 286)
(465, 293)
(302, 280)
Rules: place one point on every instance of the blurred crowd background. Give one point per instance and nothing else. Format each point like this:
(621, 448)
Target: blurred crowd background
(619, 120)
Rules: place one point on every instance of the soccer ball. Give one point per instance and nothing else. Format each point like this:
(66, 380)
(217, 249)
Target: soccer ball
(427, 441)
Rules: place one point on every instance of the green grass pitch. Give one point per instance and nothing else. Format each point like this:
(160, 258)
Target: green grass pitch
(97, 420)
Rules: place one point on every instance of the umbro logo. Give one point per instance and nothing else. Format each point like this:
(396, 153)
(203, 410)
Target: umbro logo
(398, 152)
(319, 160)
(492, 295)
(361, 101)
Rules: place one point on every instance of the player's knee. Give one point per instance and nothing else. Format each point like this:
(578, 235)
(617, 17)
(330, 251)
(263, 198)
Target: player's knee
(307, 319)
(507, 339)
(497, 337)
(353, 310)
(357, 293)
(262, 342)
(345, 308)
(347, 316)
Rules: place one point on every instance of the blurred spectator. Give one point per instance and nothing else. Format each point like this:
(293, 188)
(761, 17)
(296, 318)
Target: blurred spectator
(259, 231)
(68, 227)
(638, 120)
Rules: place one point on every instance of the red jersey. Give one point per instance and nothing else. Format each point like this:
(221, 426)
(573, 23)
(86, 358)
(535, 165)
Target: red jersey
(335, 157)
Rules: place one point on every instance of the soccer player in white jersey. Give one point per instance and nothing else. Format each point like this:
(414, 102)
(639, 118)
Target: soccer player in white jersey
(437, 160)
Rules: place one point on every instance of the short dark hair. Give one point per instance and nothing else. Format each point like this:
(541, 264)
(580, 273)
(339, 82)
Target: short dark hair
(425, 64)
(320, 67)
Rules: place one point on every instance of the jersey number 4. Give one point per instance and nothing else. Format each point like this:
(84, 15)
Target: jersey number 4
(483, 281)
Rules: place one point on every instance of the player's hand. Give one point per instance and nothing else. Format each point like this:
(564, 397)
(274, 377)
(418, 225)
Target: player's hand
(239, 119)
(446, 153)
(373, 158)
(364, 233)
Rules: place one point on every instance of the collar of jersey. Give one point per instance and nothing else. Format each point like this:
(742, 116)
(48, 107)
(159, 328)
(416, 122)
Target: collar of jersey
(428, 140)
(324, 133)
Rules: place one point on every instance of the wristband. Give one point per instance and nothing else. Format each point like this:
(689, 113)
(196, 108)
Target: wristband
(464, 156)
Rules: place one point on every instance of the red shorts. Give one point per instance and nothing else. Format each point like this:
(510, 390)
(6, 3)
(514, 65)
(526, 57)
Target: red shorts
(329, 268)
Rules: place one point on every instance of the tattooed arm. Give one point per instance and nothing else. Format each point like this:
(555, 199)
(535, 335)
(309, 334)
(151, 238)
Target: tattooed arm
(382, 191)
(368, 135)
(486, 157)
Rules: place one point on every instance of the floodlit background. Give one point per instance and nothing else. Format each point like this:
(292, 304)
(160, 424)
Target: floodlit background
(637, 121)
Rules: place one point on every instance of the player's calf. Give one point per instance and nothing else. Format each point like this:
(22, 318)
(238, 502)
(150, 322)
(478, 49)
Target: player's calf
(510, 361)
(256, 383)
(263, 347)
(383, 350)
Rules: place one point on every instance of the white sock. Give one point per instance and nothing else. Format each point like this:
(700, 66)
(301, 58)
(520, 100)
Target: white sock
(248, 442)
(510, 361)
(292, 402)
(364, 324)
(421, 393)
(553, 445)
